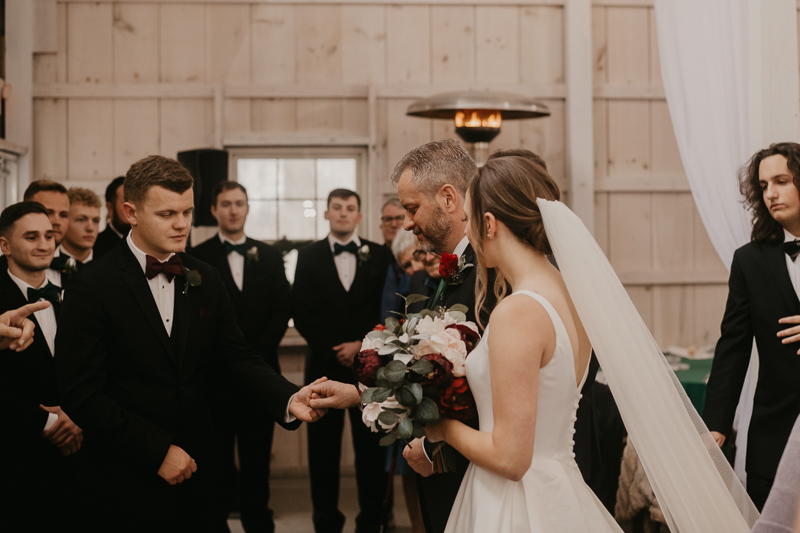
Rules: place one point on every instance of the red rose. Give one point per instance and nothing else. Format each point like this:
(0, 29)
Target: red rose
(456, 400)
(468, 335)
(441, 374)
(366, 365)
(379, 327)
(448, 266)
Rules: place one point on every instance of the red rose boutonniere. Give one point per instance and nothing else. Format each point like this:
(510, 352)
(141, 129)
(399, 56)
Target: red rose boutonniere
(453, 268)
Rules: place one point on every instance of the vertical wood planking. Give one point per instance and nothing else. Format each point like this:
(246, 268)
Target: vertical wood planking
(630, 238)
(453, 44)
(183, 43)
(541, 39)
(408, 49)
(272, 115)
(363, 44)
(185, 125)
(673, 220)
(237, 115)
(705, 256)
(497, 56)
(273, 44)
(355, 116)
(136, 132)
(228, 43)
(509, 138)
(601, 220)
(709, 306)
(136, 43)
(91, 43)
(655, 60)
(91, 139)
(547, 138)
(673, 315)
(628, 46)
(628, 138)
(599, 46)
(319, 114)
(600, 120)
(402, 132)
(50, 139)
(318, 44)
(666, 159)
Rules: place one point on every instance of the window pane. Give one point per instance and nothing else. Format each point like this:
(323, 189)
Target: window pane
(259, 177)
(335, 174)
(295, 178)
(262, 221)
(295, 221)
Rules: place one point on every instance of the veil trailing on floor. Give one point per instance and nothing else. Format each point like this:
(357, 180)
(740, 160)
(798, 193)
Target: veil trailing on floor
(695, 486)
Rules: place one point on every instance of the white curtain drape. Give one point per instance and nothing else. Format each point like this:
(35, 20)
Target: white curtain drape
(703, 49)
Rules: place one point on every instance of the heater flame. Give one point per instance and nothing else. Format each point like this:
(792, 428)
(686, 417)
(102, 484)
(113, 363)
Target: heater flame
(480, 118)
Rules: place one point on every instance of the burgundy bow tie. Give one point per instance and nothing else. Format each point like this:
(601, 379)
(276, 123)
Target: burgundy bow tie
(170, 268)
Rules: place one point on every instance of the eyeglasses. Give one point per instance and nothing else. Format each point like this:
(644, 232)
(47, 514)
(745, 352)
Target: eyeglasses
(420, 255)
(388, 220)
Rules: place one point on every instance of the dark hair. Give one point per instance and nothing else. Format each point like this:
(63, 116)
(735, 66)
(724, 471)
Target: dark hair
(519, 152)
(155, 171)
(14, 212)
(43, 186)
(111, 190)
(436, 164)
(344, 194)
(223, 186)
(507, 187)
(765, 228)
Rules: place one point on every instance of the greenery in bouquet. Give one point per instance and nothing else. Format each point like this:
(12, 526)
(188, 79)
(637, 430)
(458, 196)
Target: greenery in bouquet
(412, 369)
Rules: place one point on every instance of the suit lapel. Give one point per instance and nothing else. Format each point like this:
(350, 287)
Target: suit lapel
(137, 282)
(250, 269)
(776, 259)
(182, 314)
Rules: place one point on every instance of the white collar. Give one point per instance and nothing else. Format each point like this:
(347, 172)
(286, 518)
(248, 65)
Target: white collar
(223, 239)
(353, 238)
(788, 237)
(140, 256)
(61, 250)
(24, 285)
(461, 246)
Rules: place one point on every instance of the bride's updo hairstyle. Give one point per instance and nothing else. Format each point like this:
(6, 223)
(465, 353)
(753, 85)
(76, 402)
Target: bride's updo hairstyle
(507, 187)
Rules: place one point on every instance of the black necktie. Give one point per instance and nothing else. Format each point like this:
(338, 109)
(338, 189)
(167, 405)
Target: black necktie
(49, 292)
(351, 247)
(240, 249)
(792, 249)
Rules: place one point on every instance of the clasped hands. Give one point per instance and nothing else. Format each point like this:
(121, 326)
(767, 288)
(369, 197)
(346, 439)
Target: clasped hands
(64, 434)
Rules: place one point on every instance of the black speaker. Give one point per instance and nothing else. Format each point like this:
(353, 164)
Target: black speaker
(208, 167)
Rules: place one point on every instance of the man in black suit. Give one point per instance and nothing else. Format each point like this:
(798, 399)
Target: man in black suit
(762, 296)
(146, 333)
(39, 434)
(253, 273)
(117, 227)
(335, 303)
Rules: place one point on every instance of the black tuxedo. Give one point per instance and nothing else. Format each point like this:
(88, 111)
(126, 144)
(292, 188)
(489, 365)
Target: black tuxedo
(263, 309)
(38, 478)
(326, 315)
(760, 293)
(136, 390)
(105, 242)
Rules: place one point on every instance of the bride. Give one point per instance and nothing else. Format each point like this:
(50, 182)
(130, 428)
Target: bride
(527, 372)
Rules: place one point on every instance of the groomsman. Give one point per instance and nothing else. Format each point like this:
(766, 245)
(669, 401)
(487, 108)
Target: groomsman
(336, 301)
(38, 433)
(763, 292)
(254, 275)
(76, 248)
(117, 226)
(53, 196)
(146, 333)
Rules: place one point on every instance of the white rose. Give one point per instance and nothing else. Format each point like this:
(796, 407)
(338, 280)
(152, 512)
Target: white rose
(459, 361)
(429, 326)
(370, 416)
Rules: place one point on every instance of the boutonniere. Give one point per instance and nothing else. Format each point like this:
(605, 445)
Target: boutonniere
(363, 254)
(64, 264)
(193, 279)
(453, 268)
(252, 255)
(71, 266)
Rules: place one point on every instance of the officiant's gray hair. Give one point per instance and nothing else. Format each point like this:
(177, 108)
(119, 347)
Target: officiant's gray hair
(437, 164)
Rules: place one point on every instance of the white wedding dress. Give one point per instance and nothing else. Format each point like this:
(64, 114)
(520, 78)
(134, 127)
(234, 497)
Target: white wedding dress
(552, 496)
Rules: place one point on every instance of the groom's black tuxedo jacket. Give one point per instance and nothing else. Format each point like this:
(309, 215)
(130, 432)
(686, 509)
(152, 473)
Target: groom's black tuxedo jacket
(326, 314)
(760, 293)
(263, 306)
(135, 390)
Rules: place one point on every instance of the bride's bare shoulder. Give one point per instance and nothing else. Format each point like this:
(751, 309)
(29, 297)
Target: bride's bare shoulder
(520, 311)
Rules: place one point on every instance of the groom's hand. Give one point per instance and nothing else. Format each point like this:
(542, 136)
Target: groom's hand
(301, 407)
(333, 395)
(177, 466)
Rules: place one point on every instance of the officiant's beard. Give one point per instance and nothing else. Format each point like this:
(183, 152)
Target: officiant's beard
(436, 233)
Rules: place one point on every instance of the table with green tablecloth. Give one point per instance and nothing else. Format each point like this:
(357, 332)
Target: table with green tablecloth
(694, 380)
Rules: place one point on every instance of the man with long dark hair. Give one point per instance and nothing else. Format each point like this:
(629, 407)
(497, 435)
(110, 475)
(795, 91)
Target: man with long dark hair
(764, 288)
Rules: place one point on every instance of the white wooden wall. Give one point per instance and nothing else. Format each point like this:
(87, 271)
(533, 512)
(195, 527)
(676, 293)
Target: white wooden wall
(117, 80)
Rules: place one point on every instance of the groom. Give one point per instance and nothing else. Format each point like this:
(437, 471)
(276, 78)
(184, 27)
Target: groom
(146, 333)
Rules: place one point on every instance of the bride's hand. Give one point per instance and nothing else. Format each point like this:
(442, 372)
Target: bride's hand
(436, 432)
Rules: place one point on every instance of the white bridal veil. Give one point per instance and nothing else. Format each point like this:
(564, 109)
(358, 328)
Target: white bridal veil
(695, 486)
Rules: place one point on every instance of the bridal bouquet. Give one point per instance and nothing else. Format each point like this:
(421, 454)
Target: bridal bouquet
(412, 369)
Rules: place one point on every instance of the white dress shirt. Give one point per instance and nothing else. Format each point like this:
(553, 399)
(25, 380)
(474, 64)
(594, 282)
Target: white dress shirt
(47, 325)
(792, 266)
(162, 288)
(461, 246)
(235, 261)
(345, 261)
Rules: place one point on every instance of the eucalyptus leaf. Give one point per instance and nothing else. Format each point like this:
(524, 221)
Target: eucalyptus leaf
(405, 397)
(458, 316)
(388, 349)
(405, 428)
(414, 298)
(388, 418)
(381, 394)
(397, 410)
(428, 312)
(426, 412)
(459, 307)
(366, 396)
(392, 324)
(379, 374)
(375, 335)
(395, 371)
(422, 367)
(388, 440)
(419, 430)
(416, 390)
(383, 383)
